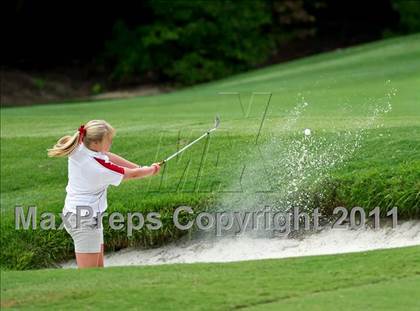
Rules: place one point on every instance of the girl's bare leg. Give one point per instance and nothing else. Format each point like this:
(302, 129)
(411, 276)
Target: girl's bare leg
(87, 260)
(101, 257)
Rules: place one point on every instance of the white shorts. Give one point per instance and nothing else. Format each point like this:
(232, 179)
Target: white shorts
(88, 237)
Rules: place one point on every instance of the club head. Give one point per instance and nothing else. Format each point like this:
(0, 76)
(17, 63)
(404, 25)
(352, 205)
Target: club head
(216, 122)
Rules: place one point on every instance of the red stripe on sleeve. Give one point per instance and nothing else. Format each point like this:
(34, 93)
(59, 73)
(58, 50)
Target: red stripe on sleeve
(111, 166)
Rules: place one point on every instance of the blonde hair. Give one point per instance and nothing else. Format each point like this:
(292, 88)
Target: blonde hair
(95, 131)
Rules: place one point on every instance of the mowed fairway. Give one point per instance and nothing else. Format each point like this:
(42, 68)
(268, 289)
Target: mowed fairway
(340, 87)
(385, 279)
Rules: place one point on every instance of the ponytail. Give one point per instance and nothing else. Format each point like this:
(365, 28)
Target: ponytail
(64, 146)
(93, 131)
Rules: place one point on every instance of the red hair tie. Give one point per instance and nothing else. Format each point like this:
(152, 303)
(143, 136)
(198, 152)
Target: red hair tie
(82, 133)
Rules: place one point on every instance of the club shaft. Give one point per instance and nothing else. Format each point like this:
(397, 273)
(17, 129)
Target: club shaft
(189, 145)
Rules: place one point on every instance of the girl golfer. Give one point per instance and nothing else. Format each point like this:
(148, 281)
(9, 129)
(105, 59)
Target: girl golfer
(91, 169)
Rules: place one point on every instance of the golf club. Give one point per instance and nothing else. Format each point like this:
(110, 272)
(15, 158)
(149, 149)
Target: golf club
(216, 125)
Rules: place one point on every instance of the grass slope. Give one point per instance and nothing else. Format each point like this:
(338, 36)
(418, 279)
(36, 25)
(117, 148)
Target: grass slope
(384, 279)
(340, 87)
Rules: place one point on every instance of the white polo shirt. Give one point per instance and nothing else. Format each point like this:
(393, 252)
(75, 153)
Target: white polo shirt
(90, 173)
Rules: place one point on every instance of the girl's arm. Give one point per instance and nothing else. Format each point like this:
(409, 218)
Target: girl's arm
(116, 159)
(140, 172)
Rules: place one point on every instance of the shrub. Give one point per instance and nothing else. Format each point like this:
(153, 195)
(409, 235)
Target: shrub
(192, 42)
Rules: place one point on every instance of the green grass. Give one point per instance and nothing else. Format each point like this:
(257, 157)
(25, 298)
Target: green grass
(384, 279)
(340, 88)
